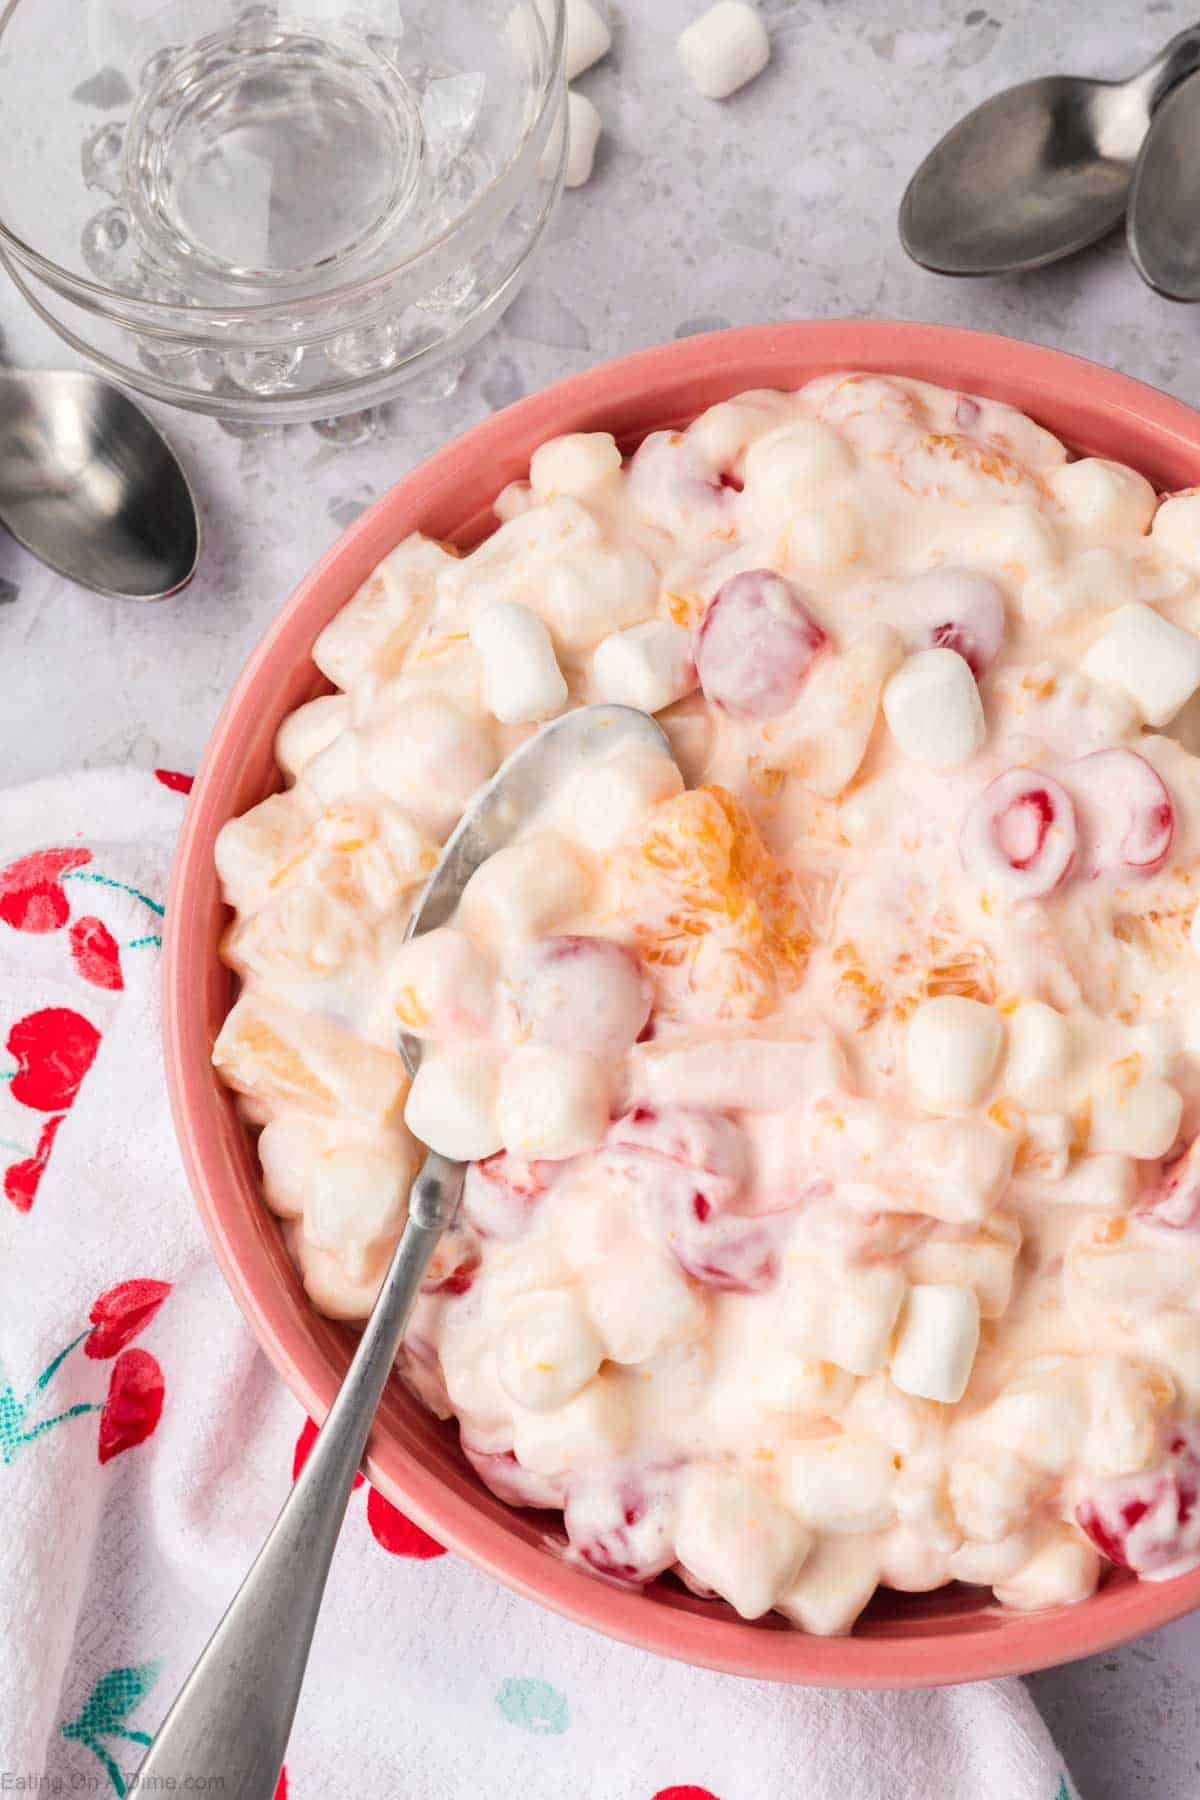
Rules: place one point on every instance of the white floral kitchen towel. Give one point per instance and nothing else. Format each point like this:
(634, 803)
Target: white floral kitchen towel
(145, 1446)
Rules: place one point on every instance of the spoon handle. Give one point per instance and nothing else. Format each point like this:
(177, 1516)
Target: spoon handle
(231, 1720)
(1178, 59)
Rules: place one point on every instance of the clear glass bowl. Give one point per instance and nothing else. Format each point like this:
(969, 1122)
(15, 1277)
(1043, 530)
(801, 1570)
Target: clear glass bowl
(273, 212)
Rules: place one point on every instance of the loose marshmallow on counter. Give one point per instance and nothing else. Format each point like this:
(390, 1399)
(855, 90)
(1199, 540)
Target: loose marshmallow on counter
(725, 48)
(524, 889)
(834, 1585)
(1039, 1051)
(936, 1342)
(578, 464)
(451, 1105)
(734, 1538)
(551, 1103)
(429, 757)
(1147, 657)
(439, 985)
(547, 1349)
(1133, 1116)
(650, 666)
(309, 730)
(355, 1199)
(584, 126)
(522, 682)
(587, 36)
(641, 1305)
(933, 709)
(1063, 1570)
(839, 1484)
(1100, 496)
(951, 1050)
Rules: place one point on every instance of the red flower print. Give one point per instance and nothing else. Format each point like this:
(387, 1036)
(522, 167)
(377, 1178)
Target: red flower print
(54, 1049)
(281, 1785)
(22, 1179)
(95, 954)
(304, 1443)
(133, 1406)
(171, 778)
(121, 1313)
(685, 1793)
(31, 895)
(396, 1534)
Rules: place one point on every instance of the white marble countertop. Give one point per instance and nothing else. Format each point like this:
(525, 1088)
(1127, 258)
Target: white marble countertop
(781, 203)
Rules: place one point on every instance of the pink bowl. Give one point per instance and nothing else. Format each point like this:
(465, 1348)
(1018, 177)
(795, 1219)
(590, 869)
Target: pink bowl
(952, 1635)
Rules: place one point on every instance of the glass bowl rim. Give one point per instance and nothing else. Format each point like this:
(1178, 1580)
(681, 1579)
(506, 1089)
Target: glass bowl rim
(71, 285)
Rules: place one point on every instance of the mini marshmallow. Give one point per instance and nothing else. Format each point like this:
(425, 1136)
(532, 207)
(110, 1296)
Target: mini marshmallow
(288, 1146)
(732, 1074)
(593, 1428)
(906, 1424)
(992, 1492)
(308, 730)
(984, 1261)
(1127, 1401)
(734, 1538)
(1039, 1051)
(1100, 497)
(336, 773)
(1138, 1118)
(641, 1305)
(374, 629)
(584, 126)
(576, 463)
(587, 36)
(585, 596)
(523, 890)
(834, 1585)
(723, 433)
(354, 1199)
(725, 48)
(429, 757)
(546, 1350)
(551, 1103)
(1176, 526)
(1173, 1340)
(910, 1563)
(650, 666)
(1042, 1415)
(849, 1319)
(839, 1484)
(786, 1382)
(937, 1341)
(522, 681)
(980, 1565)
(951, 1050)
(439, 985)
(252, 851)
(933, 709)
(451, 1105)
(334, 1289)
(606, 800)
(1063, 1570)
(784, 468)
(1147, 657)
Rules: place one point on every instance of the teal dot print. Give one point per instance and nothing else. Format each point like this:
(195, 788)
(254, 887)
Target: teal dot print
(533, 1706)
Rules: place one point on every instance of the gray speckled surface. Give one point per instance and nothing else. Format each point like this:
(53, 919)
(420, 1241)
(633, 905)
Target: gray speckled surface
(778, 203)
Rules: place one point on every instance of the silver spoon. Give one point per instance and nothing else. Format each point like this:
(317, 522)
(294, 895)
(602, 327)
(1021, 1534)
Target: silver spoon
(1161, 225)
(232, 1718)
(89, 485)
(1036, 172)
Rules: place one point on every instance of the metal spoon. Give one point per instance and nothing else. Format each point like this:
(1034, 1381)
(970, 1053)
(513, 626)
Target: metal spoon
(1036, 172)
(1161, 225)
(231, 1721)
(89, 485)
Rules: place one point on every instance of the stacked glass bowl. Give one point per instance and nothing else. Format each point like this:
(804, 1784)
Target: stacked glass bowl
(282, 211)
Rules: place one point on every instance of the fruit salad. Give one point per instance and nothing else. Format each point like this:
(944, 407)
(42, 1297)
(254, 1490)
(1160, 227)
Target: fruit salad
(830, 1087)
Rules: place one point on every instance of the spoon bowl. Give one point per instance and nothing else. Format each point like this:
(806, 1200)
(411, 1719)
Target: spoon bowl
(89, 485)
(1161, 224)
(1036, 172)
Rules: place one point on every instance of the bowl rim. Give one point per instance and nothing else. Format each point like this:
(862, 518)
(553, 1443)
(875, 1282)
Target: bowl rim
(73, 286)
(924, 1653)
